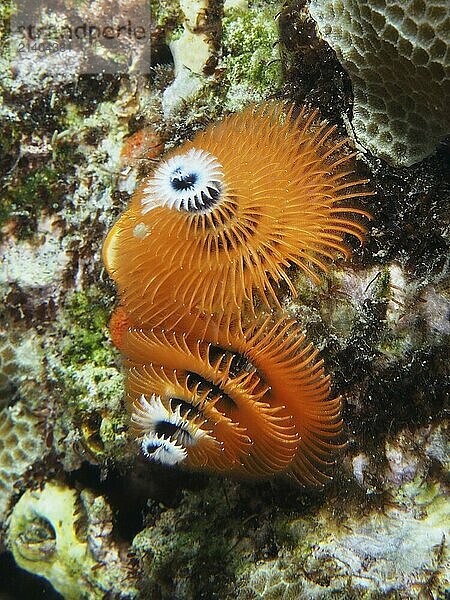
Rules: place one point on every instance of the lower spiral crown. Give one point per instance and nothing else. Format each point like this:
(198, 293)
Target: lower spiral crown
(250, 401)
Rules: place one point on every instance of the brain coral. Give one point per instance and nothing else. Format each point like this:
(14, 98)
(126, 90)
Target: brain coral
(396, 54)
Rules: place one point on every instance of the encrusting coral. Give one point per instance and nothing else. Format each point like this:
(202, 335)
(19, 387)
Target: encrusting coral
(20, 366)
(395, 52)
(214, 230)
(21, 446)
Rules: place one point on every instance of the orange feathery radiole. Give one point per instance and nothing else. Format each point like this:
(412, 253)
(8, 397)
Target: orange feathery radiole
(297, 380)
(264, 379)
(224, 217)
(289, 365)
(224, 442)
(118, 326)
(238, 396)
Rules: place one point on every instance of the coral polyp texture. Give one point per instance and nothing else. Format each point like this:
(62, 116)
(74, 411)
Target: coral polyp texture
(245, 400)
(223, 218)
(21, 446)
(396, 54)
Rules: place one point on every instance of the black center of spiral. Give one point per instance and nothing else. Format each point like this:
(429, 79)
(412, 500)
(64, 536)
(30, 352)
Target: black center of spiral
(166, 429)
(175, 432)
(186, 408)
(152, 447)
(183, 181)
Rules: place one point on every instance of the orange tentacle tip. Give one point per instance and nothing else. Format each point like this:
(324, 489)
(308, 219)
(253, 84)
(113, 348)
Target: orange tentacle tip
(118, 325)
(223, 218)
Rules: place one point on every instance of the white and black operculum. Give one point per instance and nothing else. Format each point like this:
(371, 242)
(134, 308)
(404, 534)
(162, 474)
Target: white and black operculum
(165, 451)
(192, 182)
(167, 433)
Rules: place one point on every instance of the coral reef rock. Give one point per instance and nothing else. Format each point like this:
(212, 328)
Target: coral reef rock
(20, 366)
(67, 539)
(78, 506)
(395, 54)
(192, 52)
(21, 446)
(401, 550)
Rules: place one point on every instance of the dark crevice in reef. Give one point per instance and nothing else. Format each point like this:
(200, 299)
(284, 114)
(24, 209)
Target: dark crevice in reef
(17, 584)
(411, 213)
(140, 495)
(130, 494)
(411, 208)
(312, 72)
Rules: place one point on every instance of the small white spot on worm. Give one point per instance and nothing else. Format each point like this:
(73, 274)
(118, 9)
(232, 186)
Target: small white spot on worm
(141, 231)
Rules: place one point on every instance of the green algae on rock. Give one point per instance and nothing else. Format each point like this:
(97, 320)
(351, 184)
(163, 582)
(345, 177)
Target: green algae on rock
(250, 54)
(84, 365)
(386, 538)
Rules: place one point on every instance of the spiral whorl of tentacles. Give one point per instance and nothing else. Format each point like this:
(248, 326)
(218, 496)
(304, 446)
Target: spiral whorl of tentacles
(217, 226)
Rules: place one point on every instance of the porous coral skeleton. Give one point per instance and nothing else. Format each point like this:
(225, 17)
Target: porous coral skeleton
(192, 182)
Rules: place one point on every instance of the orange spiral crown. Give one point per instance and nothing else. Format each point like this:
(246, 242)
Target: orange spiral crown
(213, 231)
(224, 218)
